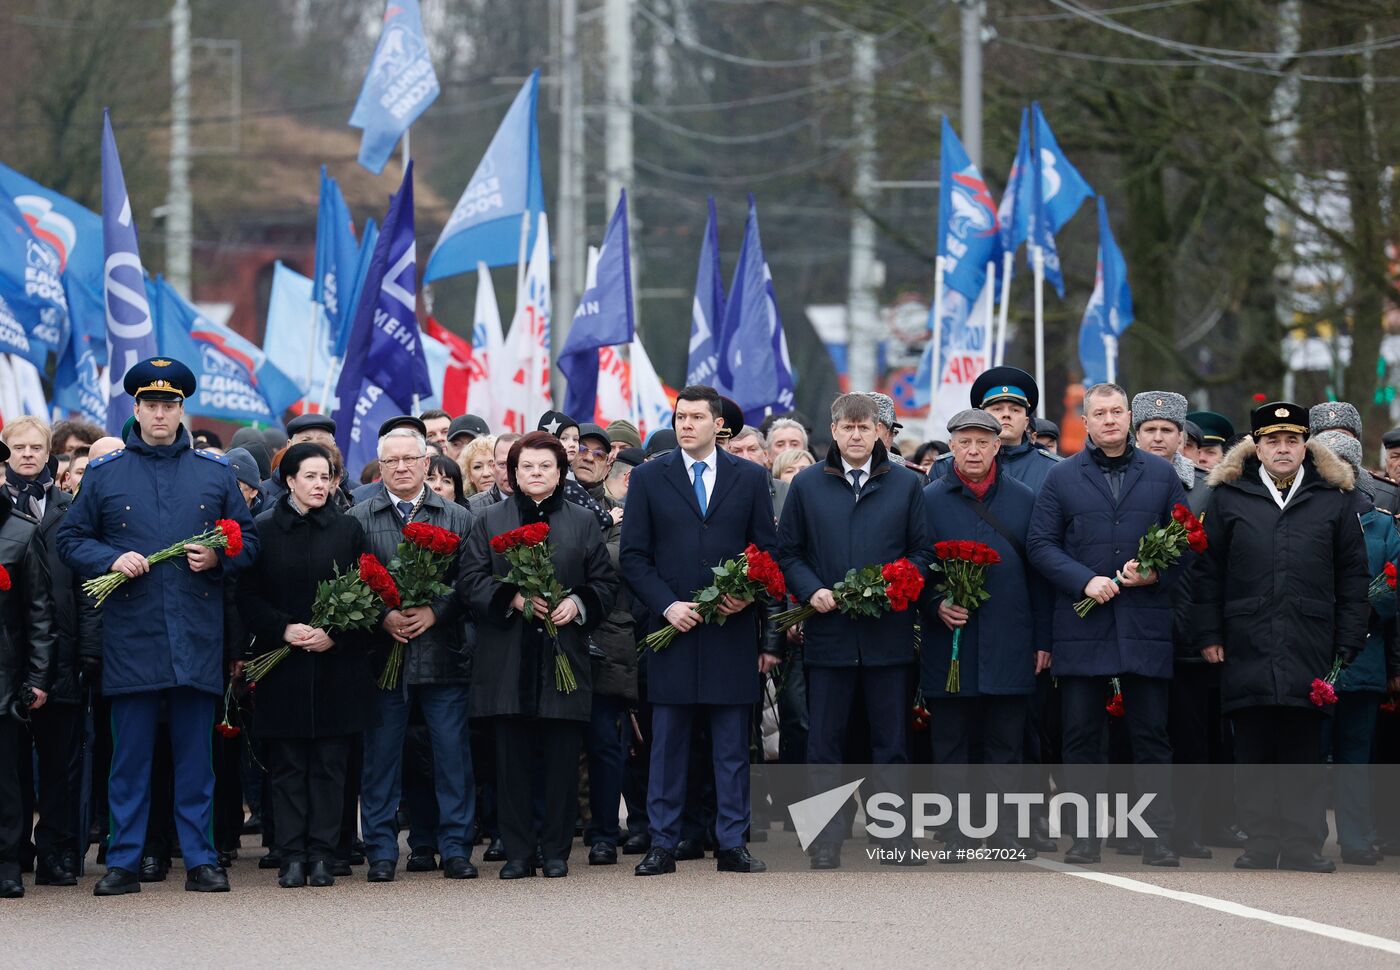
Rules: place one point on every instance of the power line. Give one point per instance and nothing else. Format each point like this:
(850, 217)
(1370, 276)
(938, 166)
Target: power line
(719, 55)
(1040, 18)
(704, 136)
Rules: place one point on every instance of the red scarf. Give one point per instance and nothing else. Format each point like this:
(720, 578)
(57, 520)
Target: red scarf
(980, 489)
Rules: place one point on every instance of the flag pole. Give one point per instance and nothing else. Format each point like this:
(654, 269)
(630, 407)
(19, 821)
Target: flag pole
(936, 376)
(1006, 260)
(520, 266)
(1110, 357)
(311, 348)
(1038, 264)
(990, 286)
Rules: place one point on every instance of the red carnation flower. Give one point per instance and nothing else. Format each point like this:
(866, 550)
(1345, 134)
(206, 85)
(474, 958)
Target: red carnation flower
(4, 579)
(228, 730)
(1390, 575)
(1115, 705)
(1322, 693)
(233, 537)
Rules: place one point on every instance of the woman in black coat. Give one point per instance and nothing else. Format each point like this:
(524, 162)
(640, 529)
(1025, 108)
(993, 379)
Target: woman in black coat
(538, 730)
(311, 705)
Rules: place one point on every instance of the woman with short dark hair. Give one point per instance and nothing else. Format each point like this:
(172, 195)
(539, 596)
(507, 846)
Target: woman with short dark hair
(445, 478)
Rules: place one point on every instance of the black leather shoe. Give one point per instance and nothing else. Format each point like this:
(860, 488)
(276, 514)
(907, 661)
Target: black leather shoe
(517, 869)
(252, 825)
(1130, 846)
(225, 860)
(1010, 844)
(381, 871)
(341, 867)
(357, 853)
(1256, 860)
(292, 876)
(53, 872)
(206, 879)
(1352, 857)
(458, 867)
(603, 854)
(637, 844)
(826, 855)
(737, 860)
(1307, 862)
(1083, 852)
(1039, 842)
(11, 889)
(1157, 852)
(658, 862)
(273, 860)
(321, 874)
(152, 870)
(117, 882)
(496, 851)
(555, 868)
(422, 860)
(687, 849)
(1192, 850)
(1227, 837)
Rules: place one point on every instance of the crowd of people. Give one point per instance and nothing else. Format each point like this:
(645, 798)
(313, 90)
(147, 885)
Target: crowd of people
(132, 723)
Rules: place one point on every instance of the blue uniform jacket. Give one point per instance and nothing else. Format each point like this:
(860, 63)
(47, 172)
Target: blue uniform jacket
(1079, 532)
(668, 553)
(826, 530)
(164, 629)
(1367, 671)
(996, 654)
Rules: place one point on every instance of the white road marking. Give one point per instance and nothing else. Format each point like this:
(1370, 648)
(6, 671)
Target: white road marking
(1226, 906)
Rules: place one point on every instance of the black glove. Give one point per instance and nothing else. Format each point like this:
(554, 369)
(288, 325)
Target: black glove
(92, 669)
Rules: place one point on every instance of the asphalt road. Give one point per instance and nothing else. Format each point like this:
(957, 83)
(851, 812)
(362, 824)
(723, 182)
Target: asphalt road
(1009, 914)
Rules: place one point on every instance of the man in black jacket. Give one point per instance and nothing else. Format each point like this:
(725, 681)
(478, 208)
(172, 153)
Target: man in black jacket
(1280, 594)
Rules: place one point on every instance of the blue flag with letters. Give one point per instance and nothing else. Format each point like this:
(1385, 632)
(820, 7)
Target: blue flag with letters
(967, 218)
(34, 319)
(707, 310)
(1110, 309)
(1057, 191)
(337, 258)
(385, 366)
(485, 224)
(1016, 200)
(752, 345)
(77, 384)
(399, 87)
(131, 334)
(368, 240)
(603, 319)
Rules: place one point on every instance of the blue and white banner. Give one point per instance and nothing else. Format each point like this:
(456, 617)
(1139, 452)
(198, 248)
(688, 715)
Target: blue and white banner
(337, 257)
(31, 284)
(1110, 309)
(399, 87)
(1057, 190)
(604, 316)
(290, 336)
(752, 354)
(707, 310)
(77, 384)
(967, 218)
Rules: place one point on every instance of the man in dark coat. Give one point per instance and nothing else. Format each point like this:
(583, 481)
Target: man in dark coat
(1011, 395)
(435, 673)
(854, 510)
(1002, 645)
(1088, 520)
(1281, 593)
(162, 631)
(1343, 417)
(26, 656)
(687, 512)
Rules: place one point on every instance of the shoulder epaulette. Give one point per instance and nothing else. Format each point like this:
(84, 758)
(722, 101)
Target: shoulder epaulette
(110, 456)
(210, 456)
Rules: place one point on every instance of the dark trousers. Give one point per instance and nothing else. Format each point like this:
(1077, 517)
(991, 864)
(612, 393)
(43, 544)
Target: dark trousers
(607, 760)
(637, 773)
(1279, 781)
(57, 730)
(307, 778)
(672, 727)
(160, 820)
(831, 695)
(536, 753)
(228, 792)
(1085, 743)
(793, 719)
(1351, 733)
(11, 828)
(1192, 717)
(988, 729)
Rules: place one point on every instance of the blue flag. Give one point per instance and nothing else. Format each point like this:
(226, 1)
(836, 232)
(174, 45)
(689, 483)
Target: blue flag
(337, 258)
(288, 338)
(1110, 309)
(385, 366)
(77, 383)
(1057, 190)
(235, 380)
(485, 224)
(131, 334)
(708, 308)
(603, 319)
(1016, 200)
(75, 234)
(752, 345)
(967, 218)
(399, 87)
(31, 284)
(368, 240)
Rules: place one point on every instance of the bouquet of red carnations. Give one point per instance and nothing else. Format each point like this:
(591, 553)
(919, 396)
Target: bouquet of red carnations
(532, 571)
(749, 576)
(965, 584)
(226, 535)
(419, 563)
(871, 591)
(1161, 548)
(1383, 586)
(350, 601)
(1115, 702)
(1323, 692)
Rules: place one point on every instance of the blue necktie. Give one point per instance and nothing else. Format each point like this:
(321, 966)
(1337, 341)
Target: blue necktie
(700, 487)
(856, 475)
(405, 510)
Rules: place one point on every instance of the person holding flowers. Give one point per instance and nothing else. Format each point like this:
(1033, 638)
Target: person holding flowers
(524, 629)
(856, 509)
(1004, 643)
(162, 628)
(421, 657)
(311, 704)
(1090, 516)
(1280, 599)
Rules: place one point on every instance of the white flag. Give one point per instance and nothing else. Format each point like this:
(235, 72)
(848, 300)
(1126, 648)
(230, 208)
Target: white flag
(527, 396)
(651, 408)
(483, 397)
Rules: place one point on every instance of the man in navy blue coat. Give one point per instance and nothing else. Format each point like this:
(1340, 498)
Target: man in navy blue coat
(1089, 517)
(162, 630)
(686, 513)
(856, 509)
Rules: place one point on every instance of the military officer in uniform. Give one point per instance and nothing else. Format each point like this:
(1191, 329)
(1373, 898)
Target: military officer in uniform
(1341, 416)
(1010, 395)
(1217, 433)
(162, 629)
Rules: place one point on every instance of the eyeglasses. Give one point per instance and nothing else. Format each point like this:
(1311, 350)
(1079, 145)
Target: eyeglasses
(599, 453)
(399, 462)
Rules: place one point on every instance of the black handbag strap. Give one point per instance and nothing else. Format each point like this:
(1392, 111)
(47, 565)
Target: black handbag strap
(981, 509)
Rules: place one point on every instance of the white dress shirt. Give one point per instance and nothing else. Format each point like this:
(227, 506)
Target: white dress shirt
(865, 469)
(707, 477)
